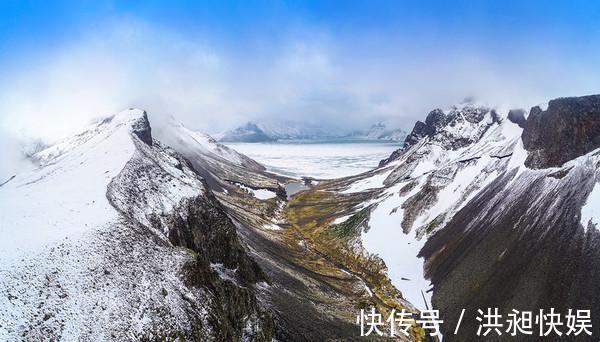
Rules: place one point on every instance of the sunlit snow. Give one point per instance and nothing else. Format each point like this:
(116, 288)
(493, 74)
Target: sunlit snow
(591, 210)
(262, 194)
(399, 250)
(67, 196)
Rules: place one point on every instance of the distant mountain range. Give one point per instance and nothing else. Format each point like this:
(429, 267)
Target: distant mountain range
(276, 131)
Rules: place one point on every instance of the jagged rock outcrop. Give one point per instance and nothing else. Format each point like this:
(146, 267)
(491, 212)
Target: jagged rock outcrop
(448, 127)
(152, 180)
(457, 128)
(569, 128)
(141, 128)
(525, 225)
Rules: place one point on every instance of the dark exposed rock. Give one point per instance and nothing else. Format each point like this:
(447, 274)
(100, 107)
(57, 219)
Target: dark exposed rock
(506, 250)
(207, 230)
(517, 116)
(416, 204)
(435, 121)
(569, 128)
(142, 129)
(8, 180)
(420, 130)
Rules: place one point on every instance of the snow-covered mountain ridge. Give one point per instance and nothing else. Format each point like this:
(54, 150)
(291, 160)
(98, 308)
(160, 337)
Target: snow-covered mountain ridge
(477, 196)
(97, 231)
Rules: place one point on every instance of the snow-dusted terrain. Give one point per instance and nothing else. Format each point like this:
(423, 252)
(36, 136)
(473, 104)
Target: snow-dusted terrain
(262, 194)
(398, 249)
(456, 175)
(69, 187)
(474, 198)
(118, 235)
(88, 249)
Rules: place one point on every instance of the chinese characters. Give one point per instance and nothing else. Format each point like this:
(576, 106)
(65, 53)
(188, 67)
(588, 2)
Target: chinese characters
(543, 322)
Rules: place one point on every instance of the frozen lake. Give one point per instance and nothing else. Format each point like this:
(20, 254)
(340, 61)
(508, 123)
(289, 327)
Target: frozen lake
(319, 160)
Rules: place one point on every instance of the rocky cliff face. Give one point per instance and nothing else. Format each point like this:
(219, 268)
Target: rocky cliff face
(569, 128)
(517, 116)
(456, 128)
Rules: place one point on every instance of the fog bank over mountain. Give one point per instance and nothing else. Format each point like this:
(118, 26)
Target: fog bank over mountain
(281, 64)
(311, 75)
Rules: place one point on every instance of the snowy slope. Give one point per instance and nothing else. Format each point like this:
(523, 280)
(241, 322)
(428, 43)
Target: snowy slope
(430, 180)
(89, 244)
(180, 137)
(69, 187)
(474, 199)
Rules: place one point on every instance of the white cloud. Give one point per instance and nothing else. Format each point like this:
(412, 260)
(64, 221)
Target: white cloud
(129, 65)
(311, 76)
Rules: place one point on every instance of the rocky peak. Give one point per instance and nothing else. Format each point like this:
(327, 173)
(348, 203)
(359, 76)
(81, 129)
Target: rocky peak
(418, 132)
(569, 128)
(458, 127)
(436, 119)
(250, 132)
(455, 128)
(141, 128)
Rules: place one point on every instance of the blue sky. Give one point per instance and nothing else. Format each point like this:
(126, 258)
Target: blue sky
(215, 64)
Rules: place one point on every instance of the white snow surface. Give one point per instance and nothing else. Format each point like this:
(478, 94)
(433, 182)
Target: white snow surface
(373, 182)
(261, 194)
(341, 219)
(386, 238)
(205, 143)
(591, 210)
(458, 175)
(70, 264)
(66, 195)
